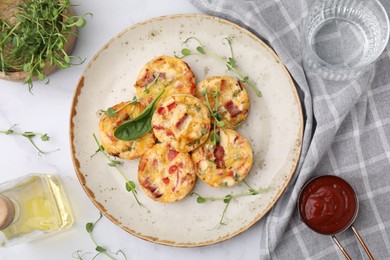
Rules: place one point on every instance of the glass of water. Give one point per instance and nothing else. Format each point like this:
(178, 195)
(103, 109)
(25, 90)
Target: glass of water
(343, 37)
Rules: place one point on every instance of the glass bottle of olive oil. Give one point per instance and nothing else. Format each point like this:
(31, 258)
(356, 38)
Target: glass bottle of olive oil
(31, 207)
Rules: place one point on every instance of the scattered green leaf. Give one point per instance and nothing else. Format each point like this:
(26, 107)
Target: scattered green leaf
(90, 226)
(100, 249)
(185, 52)
(227, 200)
(111, 112)
(230, 62)
(30, 136)
(130, 186)
(113, 162)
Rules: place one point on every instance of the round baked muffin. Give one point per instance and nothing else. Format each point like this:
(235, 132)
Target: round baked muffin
(164, 71)
(166, 175)
(123, 149)
(181, 122)
(227, 95)
(224, 159)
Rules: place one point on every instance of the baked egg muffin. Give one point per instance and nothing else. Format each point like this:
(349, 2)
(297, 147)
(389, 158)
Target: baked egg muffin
(166, 175)
(228, 96)
(164, 71)
(123, 149)
(224, 159)
(181, 122)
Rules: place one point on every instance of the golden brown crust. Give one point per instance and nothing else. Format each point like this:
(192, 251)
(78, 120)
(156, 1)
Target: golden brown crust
(163, 71)
(182, 122)
(123, 149)
(225, 163)
(233, 100)
(166, 175)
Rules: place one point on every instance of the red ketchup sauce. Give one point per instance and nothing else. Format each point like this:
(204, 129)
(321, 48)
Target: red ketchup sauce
(328, 204)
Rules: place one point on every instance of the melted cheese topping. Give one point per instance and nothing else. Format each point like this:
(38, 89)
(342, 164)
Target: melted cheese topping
(182, 122)
(123, 149)
(171, 72)
(233, 100)
(166, 175)
(225, 164)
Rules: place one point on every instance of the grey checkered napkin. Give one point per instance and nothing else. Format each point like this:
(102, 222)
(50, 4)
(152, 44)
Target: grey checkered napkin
(347, 133)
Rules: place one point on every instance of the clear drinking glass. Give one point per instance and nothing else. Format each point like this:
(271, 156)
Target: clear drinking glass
(341, 38)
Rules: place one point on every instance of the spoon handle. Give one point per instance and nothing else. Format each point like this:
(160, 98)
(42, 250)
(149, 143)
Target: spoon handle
(341, 248)
(362, 243)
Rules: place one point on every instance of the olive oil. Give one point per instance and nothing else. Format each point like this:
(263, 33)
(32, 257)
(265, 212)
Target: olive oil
(35, 205)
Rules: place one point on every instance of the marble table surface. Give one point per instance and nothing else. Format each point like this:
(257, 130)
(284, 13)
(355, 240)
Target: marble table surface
(47, 110)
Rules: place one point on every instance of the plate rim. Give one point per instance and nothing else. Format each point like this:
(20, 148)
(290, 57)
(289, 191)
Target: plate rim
(90, 193)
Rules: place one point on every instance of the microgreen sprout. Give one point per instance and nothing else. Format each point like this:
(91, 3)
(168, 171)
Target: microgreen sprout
(214, 137)
(147, 89)
(112, 112)
(230, 62)
(113, 162)
(90, 226)
(38, 37)
(214, 111)
(227, 200)
(30, 136)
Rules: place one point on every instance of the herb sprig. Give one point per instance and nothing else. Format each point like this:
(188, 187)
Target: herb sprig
(111, 112)
(214, 110)
(90, 226)
(30, 136)
(227, 200)
(147, 89)
(113, 162)
(214, 137)
(37, 38)
(230, 62)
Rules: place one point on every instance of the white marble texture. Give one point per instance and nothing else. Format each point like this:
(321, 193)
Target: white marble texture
(47, 110)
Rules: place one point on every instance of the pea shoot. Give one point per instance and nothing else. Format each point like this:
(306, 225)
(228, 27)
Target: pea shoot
(214, 137)
(37, 38)
(230, 62)
(227, 200)
(90, 226)
(113, 162)
(111, 112)
(147, 89)
(30, 136)
(214, 111)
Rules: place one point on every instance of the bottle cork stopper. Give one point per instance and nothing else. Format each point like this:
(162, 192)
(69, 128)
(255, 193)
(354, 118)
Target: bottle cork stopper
(7, 212)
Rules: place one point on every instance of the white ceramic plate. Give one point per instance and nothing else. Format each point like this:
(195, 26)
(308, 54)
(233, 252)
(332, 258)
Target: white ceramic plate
(274, 128)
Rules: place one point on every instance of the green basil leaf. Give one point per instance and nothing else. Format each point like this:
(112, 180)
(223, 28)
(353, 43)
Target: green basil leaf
(133, 130)
(137, 127)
